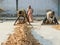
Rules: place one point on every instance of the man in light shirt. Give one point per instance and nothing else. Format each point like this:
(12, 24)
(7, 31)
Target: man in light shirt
(50, 18)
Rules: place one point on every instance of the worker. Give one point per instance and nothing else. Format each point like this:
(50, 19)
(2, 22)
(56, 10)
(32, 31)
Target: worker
(30, 13)
(22, 17)
(50, 18)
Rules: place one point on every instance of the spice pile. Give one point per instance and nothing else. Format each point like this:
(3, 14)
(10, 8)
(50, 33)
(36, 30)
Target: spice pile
(57, 27)
(21, 36)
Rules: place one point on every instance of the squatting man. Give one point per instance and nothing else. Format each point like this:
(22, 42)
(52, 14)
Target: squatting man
(22, 17)
(50, 18)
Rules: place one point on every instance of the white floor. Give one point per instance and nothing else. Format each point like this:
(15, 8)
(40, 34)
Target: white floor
(45, 34)
(6, 28)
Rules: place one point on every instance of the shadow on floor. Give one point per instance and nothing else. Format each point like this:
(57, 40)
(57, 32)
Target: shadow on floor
(41, 39)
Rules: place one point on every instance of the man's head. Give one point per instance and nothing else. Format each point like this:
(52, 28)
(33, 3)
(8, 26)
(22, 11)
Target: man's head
(50, 13)
(53, 13)
(29, 7)
(20, 12)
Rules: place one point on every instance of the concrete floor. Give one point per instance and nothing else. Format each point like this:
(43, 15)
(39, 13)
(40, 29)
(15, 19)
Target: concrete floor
(45, 34)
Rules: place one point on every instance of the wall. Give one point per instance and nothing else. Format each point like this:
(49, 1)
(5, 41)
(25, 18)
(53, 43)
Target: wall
(59, 7)
(39, 6)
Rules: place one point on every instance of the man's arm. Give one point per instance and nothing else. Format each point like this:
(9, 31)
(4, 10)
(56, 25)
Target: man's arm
(16, 20)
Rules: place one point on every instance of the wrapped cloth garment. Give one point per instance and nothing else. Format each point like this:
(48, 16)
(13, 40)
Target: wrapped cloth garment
(30, 11)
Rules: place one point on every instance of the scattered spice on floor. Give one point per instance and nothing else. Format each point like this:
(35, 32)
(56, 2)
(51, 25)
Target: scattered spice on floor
(21, 36)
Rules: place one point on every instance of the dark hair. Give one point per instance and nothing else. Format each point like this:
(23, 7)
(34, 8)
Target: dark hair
(20, 12)
(53, 12)
(29, 6)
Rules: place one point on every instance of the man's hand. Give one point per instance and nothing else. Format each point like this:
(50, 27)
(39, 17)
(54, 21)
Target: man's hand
(14, 23)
